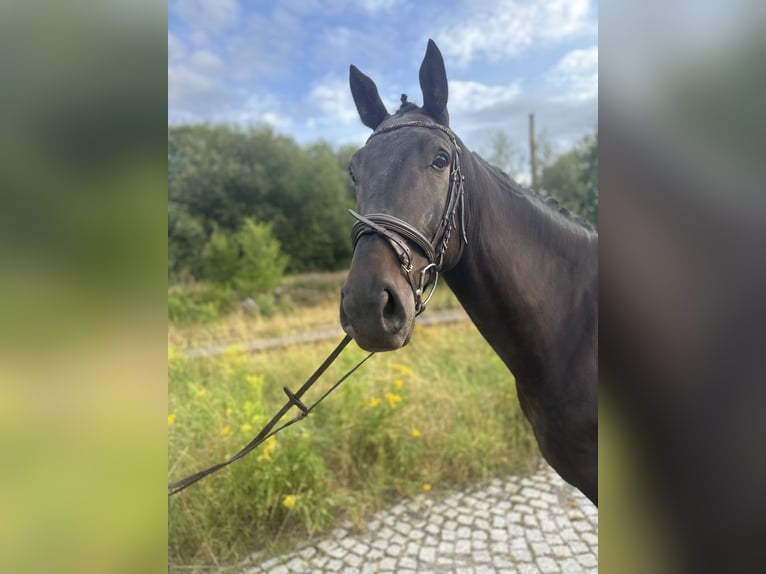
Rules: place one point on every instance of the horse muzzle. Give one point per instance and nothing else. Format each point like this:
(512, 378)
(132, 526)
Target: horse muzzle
(377, 308)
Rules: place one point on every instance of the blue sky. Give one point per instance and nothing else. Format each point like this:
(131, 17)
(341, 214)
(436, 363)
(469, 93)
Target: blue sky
(285, 63)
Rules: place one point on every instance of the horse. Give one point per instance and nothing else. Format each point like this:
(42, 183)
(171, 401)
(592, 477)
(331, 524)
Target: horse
(524, 270)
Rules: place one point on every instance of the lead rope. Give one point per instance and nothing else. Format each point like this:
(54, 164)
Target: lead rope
(293, 400)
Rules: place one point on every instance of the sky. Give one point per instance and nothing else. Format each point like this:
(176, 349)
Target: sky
(285, 63)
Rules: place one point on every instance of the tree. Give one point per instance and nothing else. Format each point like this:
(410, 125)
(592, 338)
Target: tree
(572, 179)
(249, 260)
(221, 256)
(218, 176)
(186, 240)
(261, 263)
(506, 156)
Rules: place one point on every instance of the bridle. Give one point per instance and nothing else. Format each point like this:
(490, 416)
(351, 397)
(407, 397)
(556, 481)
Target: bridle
(398, 232)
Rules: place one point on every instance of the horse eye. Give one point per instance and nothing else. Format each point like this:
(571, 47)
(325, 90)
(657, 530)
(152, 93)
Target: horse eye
(440, 161)
(351, 175)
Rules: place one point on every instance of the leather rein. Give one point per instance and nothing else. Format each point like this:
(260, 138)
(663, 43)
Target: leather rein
(398, 232)
(269, 430)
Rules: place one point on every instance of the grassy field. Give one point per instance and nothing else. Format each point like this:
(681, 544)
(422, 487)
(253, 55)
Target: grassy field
(314, 306)
(440, 413)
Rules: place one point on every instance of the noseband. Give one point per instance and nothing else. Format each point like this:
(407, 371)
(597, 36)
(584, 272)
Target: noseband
(398, 232)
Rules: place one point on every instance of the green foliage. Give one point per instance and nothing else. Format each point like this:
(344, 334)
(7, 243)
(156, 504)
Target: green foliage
(186, 239)
(249, 261)
(205, 305)
(573, 179)
(221, 257)
(261, 263)
(218, 176)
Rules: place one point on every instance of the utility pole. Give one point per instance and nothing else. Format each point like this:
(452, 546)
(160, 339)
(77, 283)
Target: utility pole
(532, 156)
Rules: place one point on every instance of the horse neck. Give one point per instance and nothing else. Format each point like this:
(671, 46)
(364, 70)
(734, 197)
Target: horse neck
(527, 277)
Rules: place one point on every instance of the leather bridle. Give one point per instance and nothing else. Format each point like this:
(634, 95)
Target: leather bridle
(398, 233)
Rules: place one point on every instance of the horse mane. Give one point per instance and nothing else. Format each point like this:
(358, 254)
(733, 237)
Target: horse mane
(549, 205)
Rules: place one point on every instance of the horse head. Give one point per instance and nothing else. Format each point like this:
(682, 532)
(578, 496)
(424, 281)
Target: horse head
(409, 194)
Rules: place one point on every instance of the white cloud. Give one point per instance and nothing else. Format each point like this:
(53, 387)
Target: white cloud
(206, 18)
(176, 49)
(332, 98)
(186, 85)
(576, 75)
(260, 108)
(507, 27)
(378, 5)
(194, 78)
(205, 62)
(473, 96)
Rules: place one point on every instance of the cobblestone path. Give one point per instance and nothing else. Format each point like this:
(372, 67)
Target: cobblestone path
(536, 524)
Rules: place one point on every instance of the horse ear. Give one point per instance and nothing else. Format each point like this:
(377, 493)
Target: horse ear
(368, 103)
(433, 82)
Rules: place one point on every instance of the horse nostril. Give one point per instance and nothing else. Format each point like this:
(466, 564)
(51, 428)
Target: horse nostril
(393, 314)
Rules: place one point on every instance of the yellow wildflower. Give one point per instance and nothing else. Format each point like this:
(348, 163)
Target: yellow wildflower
(289, 500)
(268, 448)
(374, 402)
(228, 411)
(403, 370)
(225, 431)
(234, 350)
(393, 399)
(415, 432)
(255, 381)
(171, 353)
(426, 486)
(200, 393)
(398, 384)
(246, 427)
(171, 419)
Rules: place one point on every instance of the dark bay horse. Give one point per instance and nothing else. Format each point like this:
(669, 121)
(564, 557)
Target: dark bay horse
(525, 272)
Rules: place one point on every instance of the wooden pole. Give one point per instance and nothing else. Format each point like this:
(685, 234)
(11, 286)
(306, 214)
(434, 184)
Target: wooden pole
(532, 154)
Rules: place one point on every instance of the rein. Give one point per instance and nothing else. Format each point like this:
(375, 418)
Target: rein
(398, 232)
(293, 400)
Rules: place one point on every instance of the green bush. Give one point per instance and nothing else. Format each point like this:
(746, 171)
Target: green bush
(221, 257)
(194, 306)
(250, 260)
(261, 263)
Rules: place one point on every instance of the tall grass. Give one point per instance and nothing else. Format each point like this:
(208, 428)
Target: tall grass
(313, 305)
(440, 413)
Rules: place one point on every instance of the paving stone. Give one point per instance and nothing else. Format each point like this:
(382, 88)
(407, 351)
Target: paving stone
(394, 550)
(427, 554)
(521, 555)
(547, 565)
(479, 535)
(297, 564)
(533, 525)
(571, 566)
